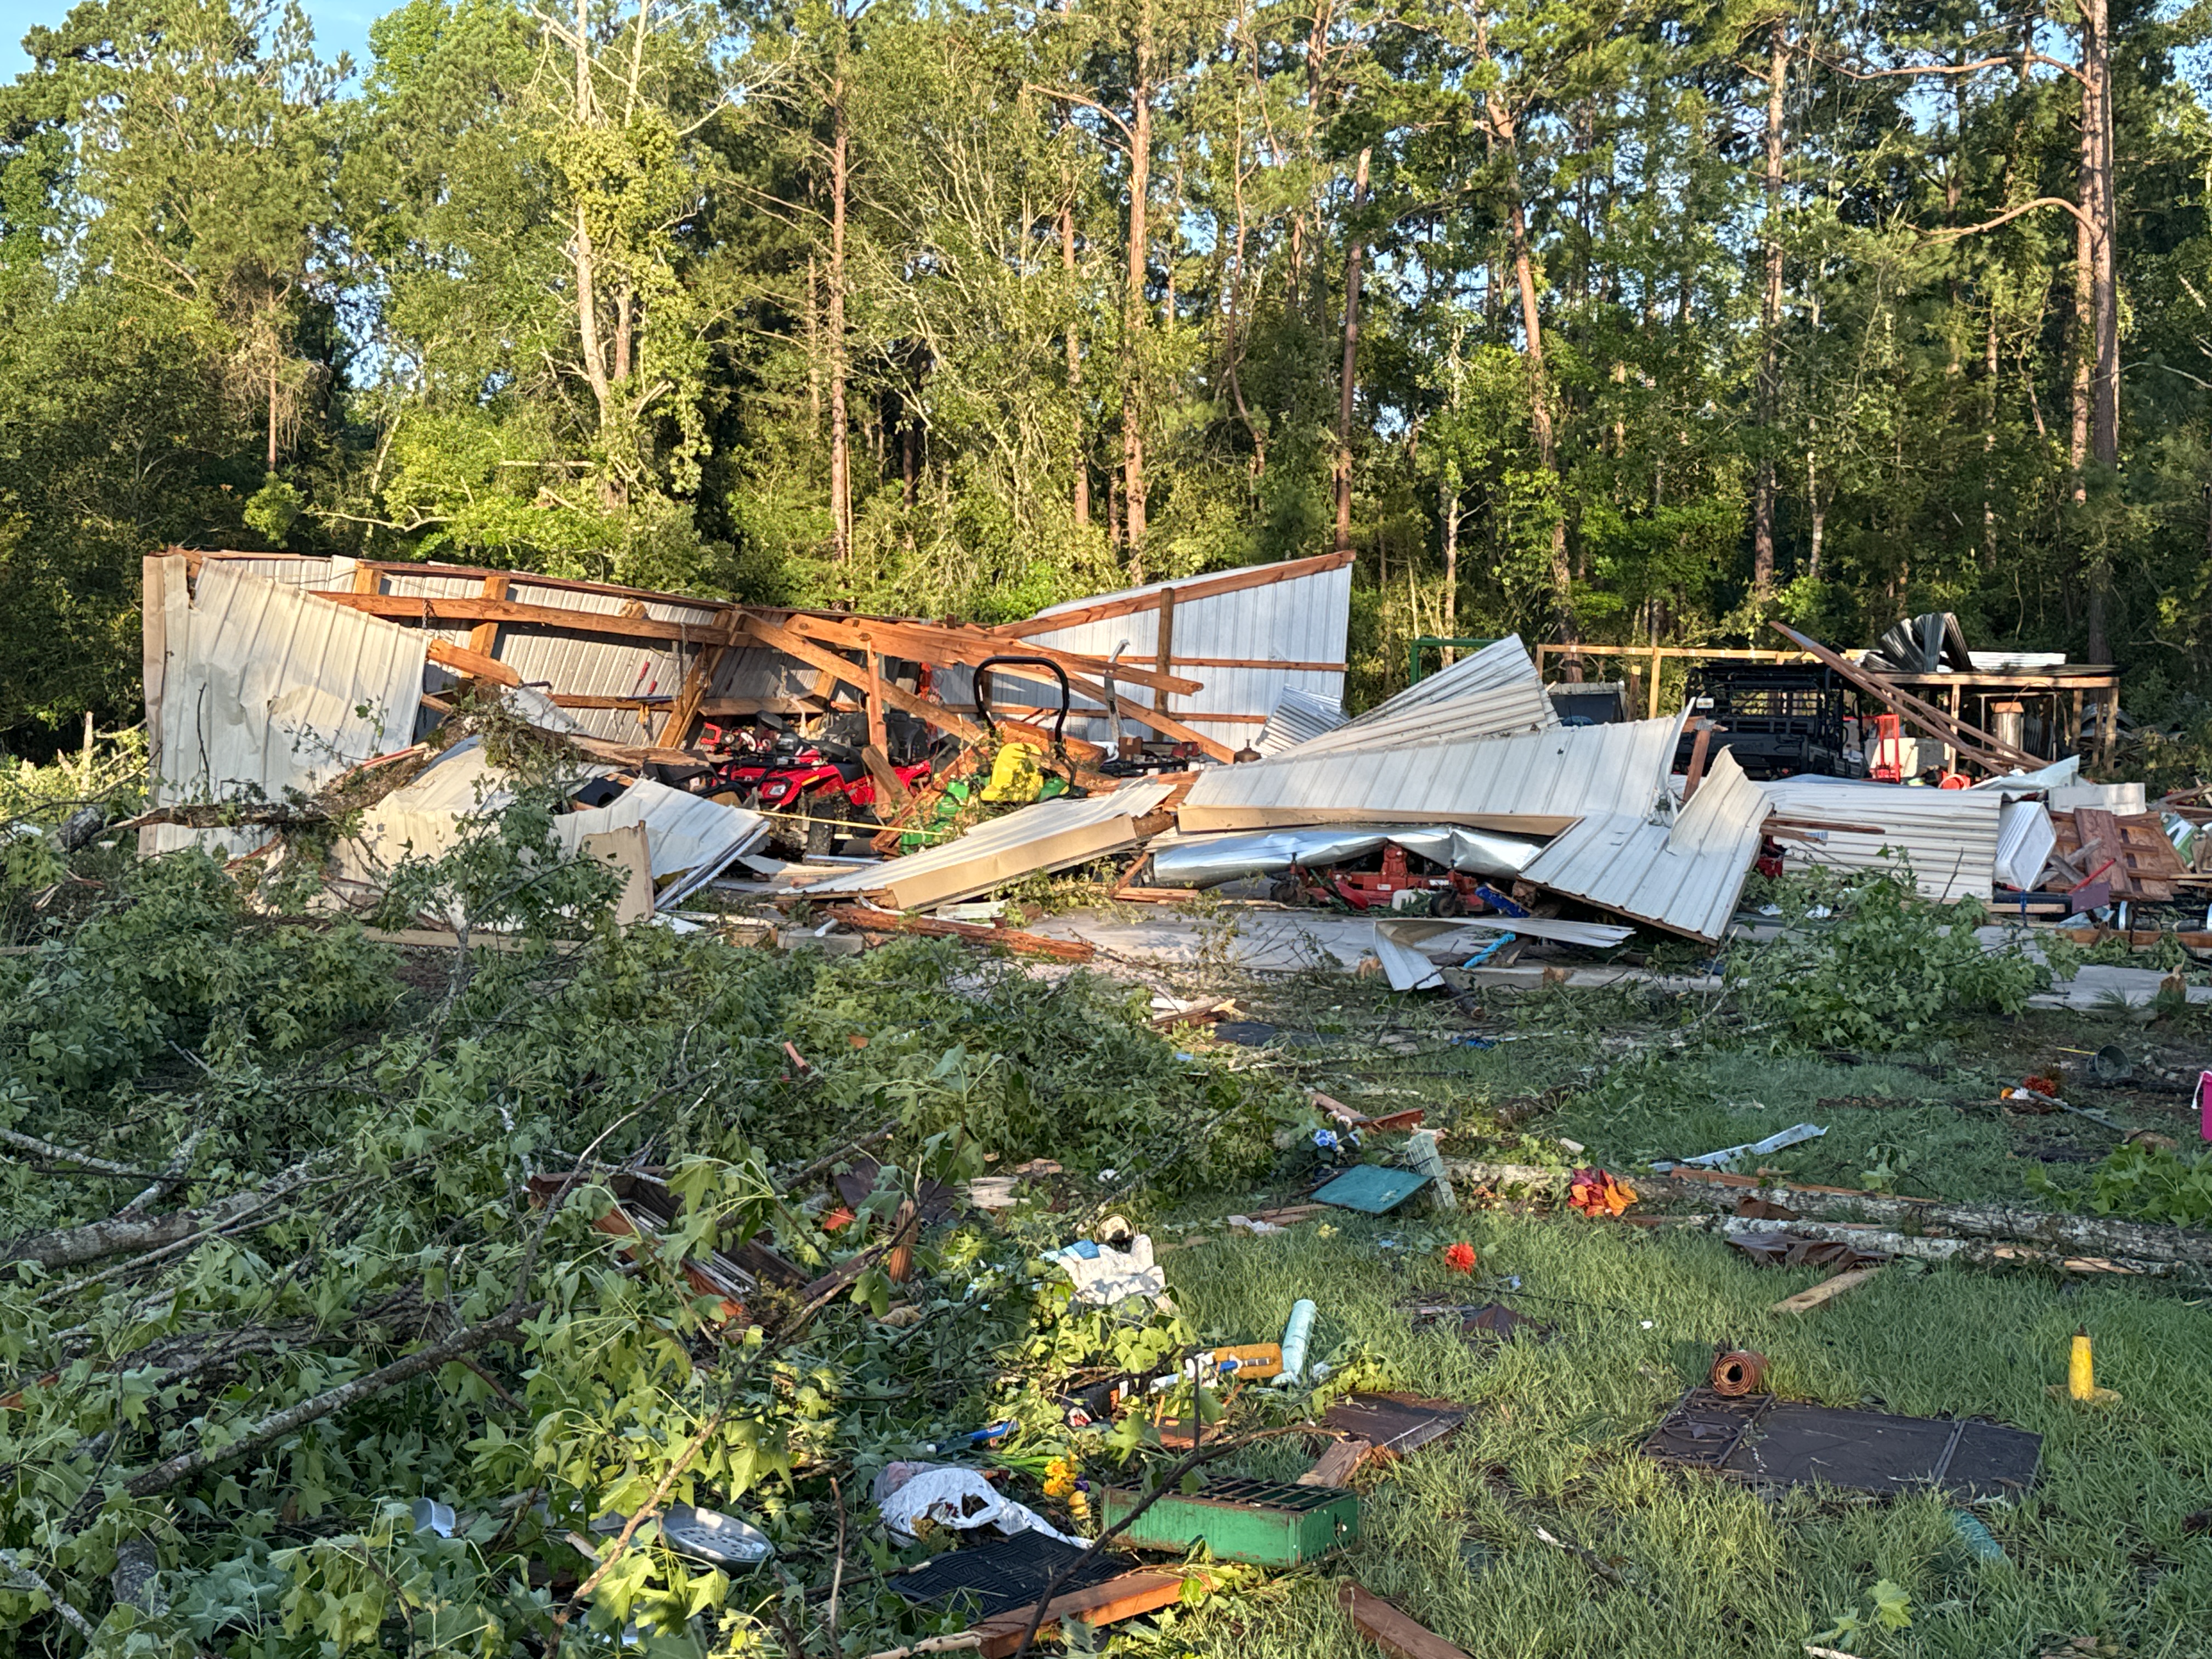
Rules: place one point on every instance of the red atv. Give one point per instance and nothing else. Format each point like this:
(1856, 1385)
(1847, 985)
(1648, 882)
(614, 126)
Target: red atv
(825, 787)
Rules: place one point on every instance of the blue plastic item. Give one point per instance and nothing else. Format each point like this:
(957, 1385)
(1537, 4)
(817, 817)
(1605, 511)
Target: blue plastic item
(1980, 1542)
(1296, 1335)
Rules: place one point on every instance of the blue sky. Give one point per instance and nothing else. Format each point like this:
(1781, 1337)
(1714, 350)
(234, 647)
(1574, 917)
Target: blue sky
(340, 26)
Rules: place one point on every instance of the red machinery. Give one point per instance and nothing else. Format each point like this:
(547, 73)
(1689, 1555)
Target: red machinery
(1450, 893)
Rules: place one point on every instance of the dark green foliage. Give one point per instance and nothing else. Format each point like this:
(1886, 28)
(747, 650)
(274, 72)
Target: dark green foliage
(1883, 969)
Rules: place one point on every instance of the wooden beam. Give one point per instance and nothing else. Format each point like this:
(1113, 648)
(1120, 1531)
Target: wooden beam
(889, 784)
(483, 638)
(475, 663)
(1164, 645)
(1165, 724)
(1985, 750)
(871, 919)
(927, 642)
(1696, 771)
(1129, 1596)
(1390, 1629)
(678, 727)
(1257, 576)
(879, 732)
(1288, 667)
(421, 608)
(836, 667)
(367, 578)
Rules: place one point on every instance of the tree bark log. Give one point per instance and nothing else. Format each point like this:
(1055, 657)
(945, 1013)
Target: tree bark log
(1347, 382)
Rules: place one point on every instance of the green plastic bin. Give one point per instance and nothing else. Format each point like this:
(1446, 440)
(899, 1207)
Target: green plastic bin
(1264, 1523)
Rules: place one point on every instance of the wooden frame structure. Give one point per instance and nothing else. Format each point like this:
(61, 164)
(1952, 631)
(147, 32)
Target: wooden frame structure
(1962, 699)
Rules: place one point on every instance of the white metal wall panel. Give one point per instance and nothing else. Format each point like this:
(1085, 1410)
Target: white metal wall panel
(1685, 876)
(1532, 780)
(1949, 835)
(1300, 619)
(267, 689)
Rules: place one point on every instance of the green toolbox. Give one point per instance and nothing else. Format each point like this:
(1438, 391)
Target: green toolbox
(1262, 1521)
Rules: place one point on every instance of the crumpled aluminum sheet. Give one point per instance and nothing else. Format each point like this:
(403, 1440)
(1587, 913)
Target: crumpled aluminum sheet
(1208, 862)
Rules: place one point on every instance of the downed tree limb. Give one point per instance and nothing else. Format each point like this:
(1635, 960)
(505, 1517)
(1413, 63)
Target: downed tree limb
(1969, 1252)
(127, 1230)
(32, 1144)
(2023, 1231)
(278, 1424)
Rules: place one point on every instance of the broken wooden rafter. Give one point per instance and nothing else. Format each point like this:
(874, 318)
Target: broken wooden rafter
(1994, 755)
(928, 642)
(432, 611)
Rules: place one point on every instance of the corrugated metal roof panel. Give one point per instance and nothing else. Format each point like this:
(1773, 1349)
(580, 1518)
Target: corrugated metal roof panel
(1949, 835)
(1685, 876)
(267, 689)
(1494, 691)
(1539, 781)
(1298, 717)
(1054, 834)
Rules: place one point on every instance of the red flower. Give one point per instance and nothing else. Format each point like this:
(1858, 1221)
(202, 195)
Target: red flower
(1460, 1258)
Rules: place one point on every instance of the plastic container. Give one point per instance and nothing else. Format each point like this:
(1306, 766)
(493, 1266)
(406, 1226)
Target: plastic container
(1296, 1335)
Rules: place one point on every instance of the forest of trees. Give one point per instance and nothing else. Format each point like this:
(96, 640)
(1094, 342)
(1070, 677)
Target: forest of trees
(1617, 321)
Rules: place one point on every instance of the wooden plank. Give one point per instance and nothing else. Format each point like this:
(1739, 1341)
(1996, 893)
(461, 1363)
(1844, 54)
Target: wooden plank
(1827, 1291)
(1336, 1466)
(889, 784)
(1129, 1596)
(870, 919)
(1390, 1629)
(1166, 647)
(367, 578)
(483, 638)
(832, 664)
(462, 661)
(1284, 663)
(421, 608)
(928, 643)
(879, 733)
(1696, 771)
(1258, 575)
(678, 727)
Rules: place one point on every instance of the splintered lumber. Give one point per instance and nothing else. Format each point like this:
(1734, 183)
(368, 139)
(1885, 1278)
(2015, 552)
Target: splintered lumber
(870, 919)
(1390, 1629)
(1827, 1291)
(1969, 740)
(1336, 1466)
(1129, 1596)
(428, 611)
(928, 643)
(834, 666)
(2132, 852)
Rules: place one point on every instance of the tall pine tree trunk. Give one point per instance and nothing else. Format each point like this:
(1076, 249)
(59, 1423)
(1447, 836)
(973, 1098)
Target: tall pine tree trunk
(2096, 434)
(1346, 380)
(1081, 504)
(841, 458)
(1769, 324)
(1502, 129)
(1132, 306)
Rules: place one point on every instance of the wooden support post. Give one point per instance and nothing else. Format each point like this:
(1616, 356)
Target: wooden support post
(1164, 653)
(1653, 704)
(367, 578)
(678, 727)
(2108, 725)
(878, 730)
(483, 638)
(1704, 730)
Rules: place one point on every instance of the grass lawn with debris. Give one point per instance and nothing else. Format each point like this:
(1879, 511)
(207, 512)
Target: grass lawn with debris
(1656, 1563)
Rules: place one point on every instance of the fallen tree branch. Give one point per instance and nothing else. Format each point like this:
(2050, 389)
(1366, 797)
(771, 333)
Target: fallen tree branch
(32, 1144)
(279, 1425)
(128, 1231)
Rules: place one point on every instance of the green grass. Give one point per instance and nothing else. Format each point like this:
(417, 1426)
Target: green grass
(1695, 1566)
(1703, 1567)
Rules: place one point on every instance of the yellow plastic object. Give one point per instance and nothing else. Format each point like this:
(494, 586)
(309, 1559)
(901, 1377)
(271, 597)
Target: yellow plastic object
(2081, 1376)
(1015, 775)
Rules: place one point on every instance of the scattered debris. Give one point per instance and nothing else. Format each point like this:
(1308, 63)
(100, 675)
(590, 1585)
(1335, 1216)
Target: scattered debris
(916, 1497)
(1391, 1630)
(1796, 1135)
(1738, 1372)
(1372, 1189)
(1595, 1192)
(1762, 1441)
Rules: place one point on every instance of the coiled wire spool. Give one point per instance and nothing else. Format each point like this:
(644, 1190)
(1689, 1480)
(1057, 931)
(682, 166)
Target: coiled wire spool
(1738, 1372)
